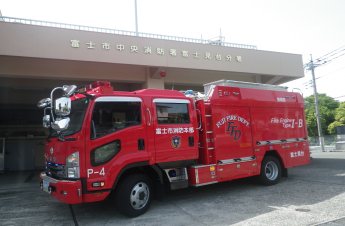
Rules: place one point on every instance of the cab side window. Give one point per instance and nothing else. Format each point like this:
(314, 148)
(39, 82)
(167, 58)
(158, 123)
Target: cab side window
(109, 117)
(172, 113)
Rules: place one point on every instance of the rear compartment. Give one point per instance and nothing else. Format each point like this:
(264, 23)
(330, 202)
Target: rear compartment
(241, 124)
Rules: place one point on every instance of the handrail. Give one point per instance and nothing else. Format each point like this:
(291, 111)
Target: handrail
(122, 32)
(298, 89)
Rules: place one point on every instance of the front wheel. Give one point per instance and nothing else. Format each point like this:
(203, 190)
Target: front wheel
(134, 195)
(270, 171)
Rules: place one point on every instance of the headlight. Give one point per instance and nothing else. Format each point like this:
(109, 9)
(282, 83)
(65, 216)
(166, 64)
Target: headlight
(72, 166)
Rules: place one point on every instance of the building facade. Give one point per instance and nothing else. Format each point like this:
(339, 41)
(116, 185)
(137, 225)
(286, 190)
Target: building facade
(36, 56)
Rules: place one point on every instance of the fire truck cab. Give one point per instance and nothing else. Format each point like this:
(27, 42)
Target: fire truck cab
(133, 144)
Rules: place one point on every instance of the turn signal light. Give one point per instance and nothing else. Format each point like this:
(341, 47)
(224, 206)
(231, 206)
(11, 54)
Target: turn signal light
(97, 184)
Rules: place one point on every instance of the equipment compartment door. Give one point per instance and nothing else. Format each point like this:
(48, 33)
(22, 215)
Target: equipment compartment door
(232, 133)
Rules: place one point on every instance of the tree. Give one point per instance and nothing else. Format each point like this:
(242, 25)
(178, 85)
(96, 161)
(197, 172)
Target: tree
(339, 118)
(327, 107)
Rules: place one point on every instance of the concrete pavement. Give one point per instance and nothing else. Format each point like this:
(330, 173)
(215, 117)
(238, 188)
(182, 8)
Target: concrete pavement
(311, 195)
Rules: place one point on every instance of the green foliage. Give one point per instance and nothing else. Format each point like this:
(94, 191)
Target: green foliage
(339, 118)
(332, 127)
(327, 108)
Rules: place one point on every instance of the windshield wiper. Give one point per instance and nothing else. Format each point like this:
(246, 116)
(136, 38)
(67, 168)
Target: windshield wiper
(62, 138)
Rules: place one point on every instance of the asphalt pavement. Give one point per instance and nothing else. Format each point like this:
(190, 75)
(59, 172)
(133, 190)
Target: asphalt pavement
(311, 195)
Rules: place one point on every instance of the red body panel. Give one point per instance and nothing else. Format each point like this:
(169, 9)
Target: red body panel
(158, 147)
(240, 125)
(232, 130)
(202, 175)
(65, 191)
(70, 192)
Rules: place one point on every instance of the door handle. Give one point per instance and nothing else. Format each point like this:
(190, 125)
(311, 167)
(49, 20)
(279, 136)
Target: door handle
(141, 144)
(191, 141)
(199, 115)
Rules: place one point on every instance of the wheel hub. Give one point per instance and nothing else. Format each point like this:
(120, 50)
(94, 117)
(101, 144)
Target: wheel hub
(271, 170)
(140, 195)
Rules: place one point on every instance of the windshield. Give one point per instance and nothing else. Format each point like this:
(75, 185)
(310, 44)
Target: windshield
(78, 109)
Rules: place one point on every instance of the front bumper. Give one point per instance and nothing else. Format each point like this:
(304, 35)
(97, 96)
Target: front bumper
(66, 191)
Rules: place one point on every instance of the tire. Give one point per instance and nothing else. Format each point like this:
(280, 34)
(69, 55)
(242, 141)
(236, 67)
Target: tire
(134, 195)
(271, 171)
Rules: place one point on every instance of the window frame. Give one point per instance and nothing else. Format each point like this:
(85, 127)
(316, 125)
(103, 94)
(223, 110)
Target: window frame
(114, 100)
(171, 101)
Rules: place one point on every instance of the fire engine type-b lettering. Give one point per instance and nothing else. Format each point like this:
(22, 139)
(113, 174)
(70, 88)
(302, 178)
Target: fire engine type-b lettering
(287, 122)
(236, 133)
(300, 123)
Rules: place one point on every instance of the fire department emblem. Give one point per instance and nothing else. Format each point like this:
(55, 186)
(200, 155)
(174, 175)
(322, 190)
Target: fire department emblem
(176, 141)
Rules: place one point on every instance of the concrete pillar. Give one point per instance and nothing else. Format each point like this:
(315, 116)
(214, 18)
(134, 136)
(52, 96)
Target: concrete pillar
(153, 81)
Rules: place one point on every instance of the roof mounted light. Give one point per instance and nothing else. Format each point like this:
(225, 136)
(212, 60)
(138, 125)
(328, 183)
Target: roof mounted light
(101, 87)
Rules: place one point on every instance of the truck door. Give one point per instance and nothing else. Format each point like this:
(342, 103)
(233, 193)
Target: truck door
(175, 138)
(117, 138)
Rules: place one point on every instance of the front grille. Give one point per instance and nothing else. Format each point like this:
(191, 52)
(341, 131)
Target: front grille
(55, 170)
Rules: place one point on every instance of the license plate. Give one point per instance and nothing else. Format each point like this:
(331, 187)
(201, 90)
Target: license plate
(45, 186)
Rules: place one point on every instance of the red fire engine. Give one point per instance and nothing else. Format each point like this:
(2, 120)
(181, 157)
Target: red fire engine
(132, 144)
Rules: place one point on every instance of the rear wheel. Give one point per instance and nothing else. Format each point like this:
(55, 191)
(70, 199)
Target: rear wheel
(270, 171)
(134, 195)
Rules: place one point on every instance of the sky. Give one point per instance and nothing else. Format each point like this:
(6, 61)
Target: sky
(303, 27)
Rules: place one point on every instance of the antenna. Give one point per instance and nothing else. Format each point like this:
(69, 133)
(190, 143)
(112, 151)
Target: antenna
(218, 40)
(220, 34)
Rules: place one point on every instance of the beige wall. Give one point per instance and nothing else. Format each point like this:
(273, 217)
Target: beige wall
(37, 51)
(34, 59)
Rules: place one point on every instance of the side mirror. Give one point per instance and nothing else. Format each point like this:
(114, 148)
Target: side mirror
(44, 103)
(69, 89)
(62, 106)
(46, 121)
(60, 124)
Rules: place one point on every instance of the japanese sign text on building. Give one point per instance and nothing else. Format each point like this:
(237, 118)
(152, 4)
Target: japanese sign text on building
(150, 50)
